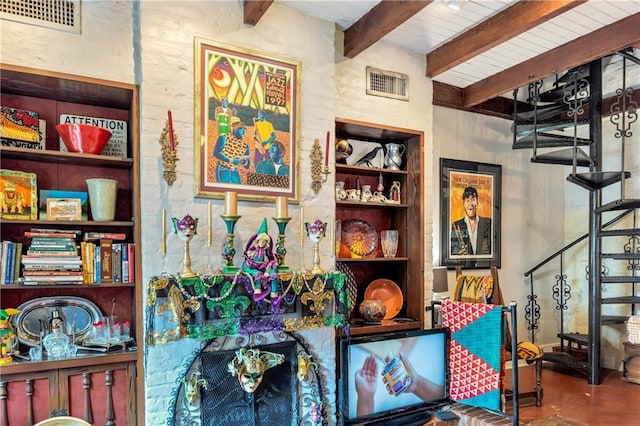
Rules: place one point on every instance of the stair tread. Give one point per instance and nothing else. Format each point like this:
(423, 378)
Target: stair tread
(543, 112)
(621, 256)
(596, 180)
(621, 204)
(612, 319)
(523, 129)
(619, 232)
(582, 72)
(564, 157)
(548, 140)
(579, 338)
(609, 279)
(566, 360)
(621, 299)
(572, 80)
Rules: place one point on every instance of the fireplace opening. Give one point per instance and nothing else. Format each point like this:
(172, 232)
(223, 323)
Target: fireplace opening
(281, 398)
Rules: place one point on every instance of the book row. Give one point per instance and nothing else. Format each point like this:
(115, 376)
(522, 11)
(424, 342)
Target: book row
(107, 261)
(104, 261)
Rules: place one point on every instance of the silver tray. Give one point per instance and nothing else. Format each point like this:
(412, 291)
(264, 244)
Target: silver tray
(37, 312)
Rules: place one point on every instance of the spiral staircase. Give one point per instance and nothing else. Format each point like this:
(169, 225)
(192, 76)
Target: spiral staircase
(562, 124)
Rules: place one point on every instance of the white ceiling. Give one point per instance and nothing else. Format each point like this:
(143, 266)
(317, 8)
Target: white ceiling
(437, 24)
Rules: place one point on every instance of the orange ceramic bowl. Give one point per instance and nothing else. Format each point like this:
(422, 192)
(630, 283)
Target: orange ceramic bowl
(83, 137)
(390, 294)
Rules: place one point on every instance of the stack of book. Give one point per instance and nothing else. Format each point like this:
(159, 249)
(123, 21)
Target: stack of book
(10, 255)
(52, 258)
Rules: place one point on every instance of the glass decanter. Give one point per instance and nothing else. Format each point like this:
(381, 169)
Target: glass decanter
(56, 343)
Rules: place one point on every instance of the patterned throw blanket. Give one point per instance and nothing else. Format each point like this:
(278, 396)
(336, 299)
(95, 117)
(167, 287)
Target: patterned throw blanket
(475, 352)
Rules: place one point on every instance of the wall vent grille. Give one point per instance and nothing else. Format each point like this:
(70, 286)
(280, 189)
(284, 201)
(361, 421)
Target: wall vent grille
(57, 14)
(388, 84)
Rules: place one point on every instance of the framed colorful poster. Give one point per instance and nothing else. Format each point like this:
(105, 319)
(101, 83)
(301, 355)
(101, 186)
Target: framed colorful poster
(18, 195)
(470, 196)
(247, 122)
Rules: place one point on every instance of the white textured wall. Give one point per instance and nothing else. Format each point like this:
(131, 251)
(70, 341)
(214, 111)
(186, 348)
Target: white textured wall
(416, 114)
(167, 46)
(104, 49)
(531, 208)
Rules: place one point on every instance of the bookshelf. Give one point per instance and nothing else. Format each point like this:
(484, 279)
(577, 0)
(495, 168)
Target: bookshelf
(406, 268)
(114, 395)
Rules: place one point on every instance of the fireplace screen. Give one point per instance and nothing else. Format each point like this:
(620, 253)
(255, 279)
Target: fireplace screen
(290, 393)
(275, 401)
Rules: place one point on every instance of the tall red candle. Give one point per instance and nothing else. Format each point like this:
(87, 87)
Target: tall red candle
(326, 151)
(173, 144)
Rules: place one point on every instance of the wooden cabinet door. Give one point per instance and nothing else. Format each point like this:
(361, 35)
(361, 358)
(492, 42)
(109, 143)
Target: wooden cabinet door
(28, 398)
(102, 395)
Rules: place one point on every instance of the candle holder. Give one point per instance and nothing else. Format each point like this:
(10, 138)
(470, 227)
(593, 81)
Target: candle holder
(228, 251)
(281, 251)
(326, 174)
(316, 232)
(186, 228)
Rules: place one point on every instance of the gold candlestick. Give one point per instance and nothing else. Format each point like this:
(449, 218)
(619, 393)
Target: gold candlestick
(186, 228)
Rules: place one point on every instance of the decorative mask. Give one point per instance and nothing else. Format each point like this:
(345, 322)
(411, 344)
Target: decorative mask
(304, 364)
(186, 227)
(316, 230)
(249, 366)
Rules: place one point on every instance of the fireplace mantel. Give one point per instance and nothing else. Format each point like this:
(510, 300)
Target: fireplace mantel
(208, 306)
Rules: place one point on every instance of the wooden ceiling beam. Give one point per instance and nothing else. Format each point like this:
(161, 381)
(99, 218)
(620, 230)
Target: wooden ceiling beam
(448, 96)
(597, 44)
(378, 22)
(496, 30)
(254, 9)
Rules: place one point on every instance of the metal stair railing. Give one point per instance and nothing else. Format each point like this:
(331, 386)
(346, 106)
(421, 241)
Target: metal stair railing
(561, 291)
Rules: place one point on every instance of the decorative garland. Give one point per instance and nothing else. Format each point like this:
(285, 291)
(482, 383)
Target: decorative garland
(231, 308)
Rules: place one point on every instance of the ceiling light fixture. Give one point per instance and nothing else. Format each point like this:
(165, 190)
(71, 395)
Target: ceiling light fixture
(455, 4)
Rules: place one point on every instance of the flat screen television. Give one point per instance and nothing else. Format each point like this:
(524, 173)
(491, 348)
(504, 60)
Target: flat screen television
(394, 378)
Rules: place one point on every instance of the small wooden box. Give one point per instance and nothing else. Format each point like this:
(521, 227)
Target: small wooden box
(631, 363)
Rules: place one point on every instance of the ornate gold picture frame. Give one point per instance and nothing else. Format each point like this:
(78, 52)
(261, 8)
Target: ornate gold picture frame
(246, 123)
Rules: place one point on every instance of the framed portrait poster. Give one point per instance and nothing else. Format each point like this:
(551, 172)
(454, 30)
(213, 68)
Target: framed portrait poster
(247, 122)
(470, 196)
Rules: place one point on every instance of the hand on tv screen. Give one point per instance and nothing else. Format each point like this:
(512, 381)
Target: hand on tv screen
(366, 385)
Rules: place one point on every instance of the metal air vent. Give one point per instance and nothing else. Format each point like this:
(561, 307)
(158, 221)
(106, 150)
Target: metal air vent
(388, 84)
(61, 15)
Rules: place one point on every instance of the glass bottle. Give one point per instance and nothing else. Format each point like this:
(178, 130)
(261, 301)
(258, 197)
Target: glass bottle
(56, 343)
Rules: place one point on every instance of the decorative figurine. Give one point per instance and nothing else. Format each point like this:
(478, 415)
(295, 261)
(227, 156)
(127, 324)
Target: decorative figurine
(343, 151)
(9, 340)
(261, 264)
(316, 232)
(193, 385)
(249, 366)
(186, 228)
(304, 365)
(394, 192)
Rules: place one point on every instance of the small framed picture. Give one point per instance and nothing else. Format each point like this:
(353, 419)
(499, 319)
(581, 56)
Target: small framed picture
(64, 209)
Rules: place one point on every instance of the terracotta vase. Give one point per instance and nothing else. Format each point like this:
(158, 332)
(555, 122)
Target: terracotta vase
(372, 311)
